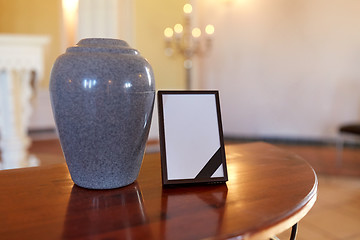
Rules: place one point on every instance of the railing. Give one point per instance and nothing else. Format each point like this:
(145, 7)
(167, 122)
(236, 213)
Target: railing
(21, 68)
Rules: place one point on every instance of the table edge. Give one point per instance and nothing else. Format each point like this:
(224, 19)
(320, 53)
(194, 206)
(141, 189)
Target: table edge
(293, 218)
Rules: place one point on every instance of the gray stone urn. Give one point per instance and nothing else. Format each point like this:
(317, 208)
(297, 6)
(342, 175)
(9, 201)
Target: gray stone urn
(102, 95)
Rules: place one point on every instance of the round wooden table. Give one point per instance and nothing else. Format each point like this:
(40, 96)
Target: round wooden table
(269, 190)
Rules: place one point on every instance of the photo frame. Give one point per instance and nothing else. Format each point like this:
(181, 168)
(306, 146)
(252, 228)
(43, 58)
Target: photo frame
(191, 137)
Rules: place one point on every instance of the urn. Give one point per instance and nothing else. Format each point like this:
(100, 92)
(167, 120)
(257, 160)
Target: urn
(102, 95)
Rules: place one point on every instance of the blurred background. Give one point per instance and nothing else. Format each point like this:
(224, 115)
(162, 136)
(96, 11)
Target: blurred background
(284, 69)
(287, 72)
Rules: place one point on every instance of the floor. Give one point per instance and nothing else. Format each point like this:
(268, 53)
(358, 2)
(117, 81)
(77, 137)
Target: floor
(335, 215)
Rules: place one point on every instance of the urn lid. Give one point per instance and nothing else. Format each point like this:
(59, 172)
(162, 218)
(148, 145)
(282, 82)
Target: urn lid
(105, 45)
(115, 57)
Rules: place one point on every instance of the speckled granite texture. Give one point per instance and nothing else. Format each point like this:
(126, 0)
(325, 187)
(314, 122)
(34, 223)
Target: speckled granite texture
(102, 94)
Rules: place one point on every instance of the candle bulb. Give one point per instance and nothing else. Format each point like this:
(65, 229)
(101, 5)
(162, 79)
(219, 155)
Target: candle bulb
(196, 32)
(209, 29)
(178, 28)
(168, 33)
(187, 9)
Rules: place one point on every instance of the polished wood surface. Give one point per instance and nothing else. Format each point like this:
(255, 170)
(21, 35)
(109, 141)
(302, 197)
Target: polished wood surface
(268, 191)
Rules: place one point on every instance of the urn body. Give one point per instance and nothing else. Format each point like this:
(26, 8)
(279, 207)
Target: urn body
(102, 95)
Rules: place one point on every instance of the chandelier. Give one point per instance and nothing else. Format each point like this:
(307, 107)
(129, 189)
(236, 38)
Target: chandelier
(188, 41)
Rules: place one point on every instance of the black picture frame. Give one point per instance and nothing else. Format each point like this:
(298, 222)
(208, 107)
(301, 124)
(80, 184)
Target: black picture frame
(191, 137)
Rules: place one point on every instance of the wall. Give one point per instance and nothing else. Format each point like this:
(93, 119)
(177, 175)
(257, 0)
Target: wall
(34, 17)
(152, 17)
(286, 69)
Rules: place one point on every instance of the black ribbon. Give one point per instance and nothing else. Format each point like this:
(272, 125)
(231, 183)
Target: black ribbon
(211, 166)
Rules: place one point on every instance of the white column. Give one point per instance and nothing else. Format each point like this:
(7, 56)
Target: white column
(21, 67)
(107, 19)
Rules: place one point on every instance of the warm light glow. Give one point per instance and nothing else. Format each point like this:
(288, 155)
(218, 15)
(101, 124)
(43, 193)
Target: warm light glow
(70, 6)
(187, 8)
(168, 32)
(196, 32)
(70, 14)
(178, 28)
(209, 29)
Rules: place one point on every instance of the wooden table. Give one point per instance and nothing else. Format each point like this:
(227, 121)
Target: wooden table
(268, 191)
